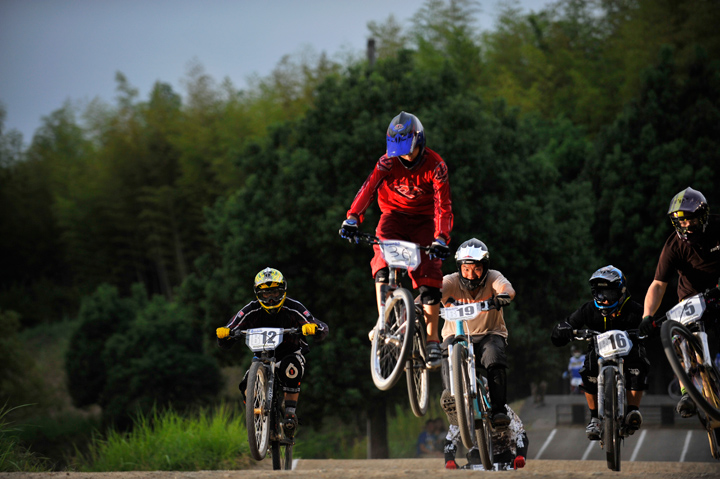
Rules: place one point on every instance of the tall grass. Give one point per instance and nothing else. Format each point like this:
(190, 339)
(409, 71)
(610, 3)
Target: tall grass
(14, 457)
(172, 442)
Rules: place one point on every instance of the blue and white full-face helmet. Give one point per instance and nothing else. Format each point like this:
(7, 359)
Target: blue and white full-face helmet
(404, 133)
(609, 289)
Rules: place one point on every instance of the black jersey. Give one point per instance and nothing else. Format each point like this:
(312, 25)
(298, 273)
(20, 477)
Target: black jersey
(292, 315)
(590, 317)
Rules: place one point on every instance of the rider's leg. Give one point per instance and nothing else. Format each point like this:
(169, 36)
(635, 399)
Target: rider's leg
(633, 418)
(594, 427)
(430, 298)
(432, 315)
(491, 353)
(290, 372)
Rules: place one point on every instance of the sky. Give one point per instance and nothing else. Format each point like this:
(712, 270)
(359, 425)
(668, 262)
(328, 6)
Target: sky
(52, 51)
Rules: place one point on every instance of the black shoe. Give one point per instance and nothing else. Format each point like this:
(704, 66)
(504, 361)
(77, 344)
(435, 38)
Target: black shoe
(290, 422)
(433, 354)
(633, 421)
(500, 421)
(686, 407)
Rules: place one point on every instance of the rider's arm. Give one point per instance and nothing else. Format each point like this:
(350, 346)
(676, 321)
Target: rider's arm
(443, 202)
(366, 194)
(654, 297)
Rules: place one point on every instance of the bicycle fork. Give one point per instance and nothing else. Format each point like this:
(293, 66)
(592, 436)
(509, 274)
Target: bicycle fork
(617, 366)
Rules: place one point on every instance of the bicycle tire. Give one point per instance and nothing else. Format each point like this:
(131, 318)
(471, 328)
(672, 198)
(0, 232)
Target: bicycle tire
(701, 383)
(418, 376)
(611, 421)
(281, 456)
(484, 432)
(257, 418)
(390, 349)
(713, 435)
(463, 395)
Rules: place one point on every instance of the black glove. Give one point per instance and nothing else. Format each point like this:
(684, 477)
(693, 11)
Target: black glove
(502, 299)
(564, 330)
(646, 326)
(349, 229)
(439, 249)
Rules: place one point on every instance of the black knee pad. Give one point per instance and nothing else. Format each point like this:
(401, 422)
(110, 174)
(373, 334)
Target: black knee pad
(382, 275)
(290, 372)
(430, 295)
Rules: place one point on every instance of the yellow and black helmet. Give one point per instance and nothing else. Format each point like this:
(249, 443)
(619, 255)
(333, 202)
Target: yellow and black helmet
(270, 289)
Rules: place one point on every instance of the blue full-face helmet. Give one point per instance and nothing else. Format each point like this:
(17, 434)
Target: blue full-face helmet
(608, 285)
(404, 133)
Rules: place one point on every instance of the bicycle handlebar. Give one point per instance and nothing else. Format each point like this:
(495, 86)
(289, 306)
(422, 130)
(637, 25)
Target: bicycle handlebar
(244, 332)
(371, 239)
(588, 334)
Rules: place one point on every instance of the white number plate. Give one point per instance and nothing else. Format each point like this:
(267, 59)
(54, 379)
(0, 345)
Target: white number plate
(400, 254)
(264, 339)
(613, 343)
(464, 311)
(689, 310)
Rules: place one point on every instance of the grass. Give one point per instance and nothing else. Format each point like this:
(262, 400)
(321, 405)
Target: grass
(14, 457)
(168, 441)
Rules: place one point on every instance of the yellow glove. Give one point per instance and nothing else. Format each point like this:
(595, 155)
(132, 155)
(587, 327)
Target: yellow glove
(309, 329)
(222, 332)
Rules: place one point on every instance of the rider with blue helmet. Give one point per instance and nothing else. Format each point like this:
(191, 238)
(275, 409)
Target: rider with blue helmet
(610, 308)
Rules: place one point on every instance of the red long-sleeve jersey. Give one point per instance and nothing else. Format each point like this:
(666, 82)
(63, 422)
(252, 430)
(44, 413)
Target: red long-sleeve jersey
(423, 189)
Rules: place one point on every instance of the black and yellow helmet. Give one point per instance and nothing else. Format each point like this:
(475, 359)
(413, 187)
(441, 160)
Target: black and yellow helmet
(270, 289)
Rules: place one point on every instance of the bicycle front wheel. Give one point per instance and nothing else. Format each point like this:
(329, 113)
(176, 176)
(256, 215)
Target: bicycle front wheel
(391, 346)
(611, 421)
(257, 417)
(484, 432)
(463, 395)
(685, 355)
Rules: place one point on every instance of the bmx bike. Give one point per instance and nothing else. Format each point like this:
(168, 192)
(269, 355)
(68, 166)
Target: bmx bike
(472, 397)
(264, 410)
(399, 337)
(611, 347)
(685, 343)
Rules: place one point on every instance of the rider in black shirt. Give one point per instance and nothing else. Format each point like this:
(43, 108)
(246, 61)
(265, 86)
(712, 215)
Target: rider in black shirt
(611, 308)
(273, 309)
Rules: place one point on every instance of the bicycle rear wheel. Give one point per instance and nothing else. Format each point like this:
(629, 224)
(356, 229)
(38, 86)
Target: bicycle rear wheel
(611, 421)
(463, 395)
(281, 456)
(391, 346)
(484, 432)
(713, 434)
(417, 375)
(685, 355)
(257, 417)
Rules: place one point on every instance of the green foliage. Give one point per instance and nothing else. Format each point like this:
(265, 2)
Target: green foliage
(169, 441)
(101, 315)
(664, 141)
(157, 361)
(20, 381)
(129, 355)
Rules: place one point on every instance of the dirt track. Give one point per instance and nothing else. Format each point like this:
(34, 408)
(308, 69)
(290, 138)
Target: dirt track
(413, 468)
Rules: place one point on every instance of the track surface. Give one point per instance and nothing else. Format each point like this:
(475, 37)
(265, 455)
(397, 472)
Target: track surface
(415, 468)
